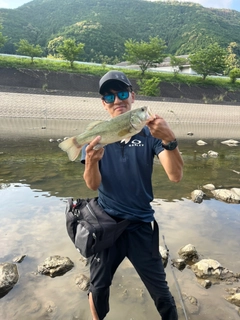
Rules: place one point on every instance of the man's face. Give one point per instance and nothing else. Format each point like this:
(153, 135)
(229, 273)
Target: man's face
(119, 105)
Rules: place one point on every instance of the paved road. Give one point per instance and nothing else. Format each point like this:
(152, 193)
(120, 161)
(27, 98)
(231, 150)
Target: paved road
(58, 110)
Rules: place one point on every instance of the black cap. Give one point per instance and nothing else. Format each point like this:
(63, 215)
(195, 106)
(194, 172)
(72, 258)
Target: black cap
(113, 76)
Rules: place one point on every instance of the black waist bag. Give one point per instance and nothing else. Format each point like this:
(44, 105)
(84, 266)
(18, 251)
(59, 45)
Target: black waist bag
(90, 228)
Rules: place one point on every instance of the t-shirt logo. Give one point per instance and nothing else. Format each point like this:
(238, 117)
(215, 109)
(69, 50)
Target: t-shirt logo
(136, 143)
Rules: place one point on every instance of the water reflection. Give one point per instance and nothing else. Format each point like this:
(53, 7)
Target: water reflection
(36, 178)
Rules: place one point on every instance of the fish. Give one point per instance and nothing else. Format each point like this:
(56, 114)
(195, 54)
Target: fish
(120, 128)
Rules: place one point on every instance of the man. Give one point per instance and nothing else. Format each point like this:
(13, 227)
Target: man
(122, 175)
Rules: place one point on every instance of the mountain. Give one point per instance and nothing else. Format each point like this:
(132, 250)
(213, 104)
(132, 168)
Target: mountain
(104, 25)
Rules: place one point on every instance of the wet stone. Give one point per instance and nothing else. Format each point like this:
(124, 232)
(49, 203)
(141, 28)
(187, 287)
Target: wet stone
(83, 282)
(55, 266)
(8, 277)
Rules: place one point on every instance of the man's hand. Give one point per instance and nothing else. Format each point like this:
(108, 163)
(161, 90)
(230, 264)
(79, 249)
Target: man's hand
(93, 155)
(160, 129)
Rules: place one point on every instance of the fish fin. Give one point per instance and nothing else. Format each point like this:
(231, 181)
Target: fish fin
(126, 140)
(93, 124)
(72, 148)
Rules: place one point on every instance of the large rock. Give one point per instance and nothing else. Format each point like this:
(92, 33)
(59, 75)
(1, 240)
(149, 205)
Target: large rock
(188, 253)
(231, 196)
(8, 277)
(234, 299)
(212, 269)
(206, 268)
(55, 266)
(197, 196)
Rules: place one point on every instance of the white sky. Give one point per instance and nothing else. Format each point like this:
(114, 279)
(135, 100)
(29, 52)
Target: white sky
(228, 4)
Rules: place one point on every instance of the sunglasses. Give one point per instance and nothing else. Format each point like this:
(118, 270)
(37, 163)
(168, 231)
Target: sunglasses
(110, 98)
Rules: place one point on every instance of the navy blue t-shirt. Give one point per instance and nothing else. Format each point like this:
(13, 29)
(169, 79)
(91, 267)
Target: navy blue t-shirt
(126, 169)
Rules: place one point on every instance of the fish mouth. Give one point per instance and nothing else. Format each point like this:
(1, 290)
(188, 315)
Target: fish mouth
(150, 114)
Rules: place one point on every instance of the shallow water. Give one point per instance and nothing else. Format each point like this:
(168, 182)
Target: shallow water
(35, 180)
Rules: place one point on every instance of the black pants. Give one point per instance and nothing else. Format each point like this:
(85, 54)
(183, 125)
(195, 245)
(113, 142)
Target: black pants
(137, 246)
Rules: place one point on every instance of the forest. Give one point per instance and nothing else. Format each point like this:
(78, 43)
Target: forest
(104, 26)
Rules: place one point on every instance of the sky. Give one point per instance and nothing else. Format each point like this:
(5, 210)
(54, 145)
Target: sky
(221, 4)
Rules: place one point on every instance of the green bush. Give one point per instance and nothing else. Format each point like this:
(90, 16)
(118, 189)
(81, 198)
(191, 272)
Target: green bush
(234, 74)
(149, 87)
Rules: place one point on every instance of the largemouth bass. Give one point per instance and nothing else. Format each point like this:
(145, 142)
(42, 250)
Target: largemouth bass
(120, 128)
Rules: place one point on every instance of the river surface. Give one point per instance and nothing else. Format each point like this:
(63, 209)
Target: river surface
(36, 178)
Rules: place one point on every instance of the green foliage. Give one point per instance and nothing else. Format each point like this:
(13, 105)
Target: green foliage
(53, 46)
(177, 63)
(145, 54)
(27, 49)
(210, 60)
(70, 50)
(2, 38)
(231, 61)
(100, 70)
(149, 87)
(104, 26)
(234, 74)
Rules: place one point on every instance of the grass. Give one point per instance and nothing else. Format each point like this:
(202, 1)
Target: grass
(99, 70)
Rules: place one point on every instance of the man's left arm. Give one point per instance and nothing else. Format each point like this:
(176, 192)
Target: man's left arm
(171, 160)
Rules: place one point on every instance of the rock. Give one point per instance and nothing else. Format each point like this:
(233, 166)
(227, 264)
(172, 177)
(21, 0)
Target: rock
(212, 154)
(237, 172)
(190, 134)
(226, 195)
(83, 282)
(201, 143)
(206, 268)
(236, 191)
(231, 142)
(55, 266)
(204, 155)
(205, 283)
(209, 186)
(233, 291)
(209, 268)
(191, 304)
(197, 196)
(188, 253)
(19, 259)
(234, 299)
(164, 255)
(85, 261)
(180, 264)
(8, 277)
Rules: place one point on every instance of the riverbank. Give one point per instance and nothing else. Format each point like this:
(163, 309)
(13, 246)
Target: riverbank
(25, 114)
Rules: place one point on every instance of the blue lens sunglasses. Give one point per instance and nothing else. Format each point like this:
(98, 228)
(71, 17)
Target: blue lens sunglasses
(110, 98)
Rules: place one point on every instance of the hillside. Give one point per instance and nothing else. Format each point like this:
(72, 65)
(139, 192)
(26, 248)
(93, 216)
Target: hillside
(103, 26)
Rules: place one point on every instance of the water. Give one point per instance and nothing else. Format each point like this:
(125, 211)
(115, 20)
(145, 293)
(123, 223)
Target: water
(35, 180)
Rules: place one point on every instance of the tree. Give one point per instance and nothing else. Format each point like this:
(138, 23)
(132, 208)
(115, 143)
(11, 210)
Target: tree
(70, 50)
(177, 63)
(146, 54)
(27, 49)
(210, 60)
(234, 74)
(53, 46)
(2, 38)
(231, 58)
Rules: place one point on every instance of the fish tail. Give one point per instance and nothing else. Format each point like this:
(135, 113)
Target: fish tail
(72, 148)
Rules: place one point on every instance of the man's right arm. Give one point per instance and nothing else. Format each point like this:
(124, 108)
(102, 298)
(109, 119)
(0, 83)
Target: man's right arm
(92, 175)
